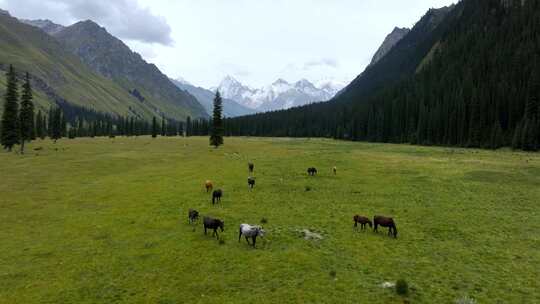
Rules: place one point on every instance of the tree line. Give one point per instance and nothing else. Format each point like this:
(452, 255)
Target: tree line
(20, 124)
(479, 87)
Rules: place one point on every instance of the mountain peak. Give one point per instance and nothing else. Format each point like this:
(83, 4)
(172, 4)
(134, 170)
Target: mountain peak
(389, 42)
(304, 83)
(46, 25)
(280, 81)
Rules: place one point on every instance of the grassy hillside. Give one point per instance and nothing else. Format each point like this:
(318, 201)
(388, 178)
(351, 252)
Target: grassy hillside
(104, 221)
(61, 74)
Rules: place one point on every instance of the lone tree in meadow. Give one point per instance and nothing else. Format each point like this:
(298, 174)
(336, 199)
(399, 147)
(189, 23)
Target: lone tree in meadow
(154, 127)
(10, 135)
(216, 134)
(26, 116)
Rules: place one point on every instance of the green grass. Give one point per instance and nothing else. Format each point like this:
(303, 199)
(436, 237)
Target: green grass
(105, 221)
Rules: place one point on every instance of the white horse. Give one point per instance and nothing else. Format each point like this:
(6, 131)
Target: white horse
(249, 231)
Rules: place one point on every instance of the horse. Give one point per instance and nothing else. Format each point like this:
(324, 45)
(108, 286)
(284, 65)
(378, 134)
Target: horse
(214, 224)
(251, 166)
(384, 221)
(334, 170)
(363, 222)
(249, 231)
(208, 185)
(251, 182)
(193, 215)
(216, 196)
(312, 171)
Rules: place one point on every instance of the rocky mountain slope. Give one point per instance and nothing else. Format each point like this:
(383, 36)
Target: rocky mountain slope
(111, 58)
(59, 77)
(389, 42)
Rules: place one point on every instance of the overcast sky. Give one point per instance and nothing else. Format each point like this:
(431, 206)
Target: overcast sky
(256, 41)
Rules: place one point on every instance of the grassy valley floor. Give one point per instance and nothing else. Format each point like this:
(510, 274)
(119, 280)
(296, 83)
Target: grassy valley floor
(105, 221)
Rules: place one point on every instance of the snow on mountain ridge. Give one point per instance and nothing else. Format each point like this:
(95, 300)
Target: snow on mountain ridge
(279, 95)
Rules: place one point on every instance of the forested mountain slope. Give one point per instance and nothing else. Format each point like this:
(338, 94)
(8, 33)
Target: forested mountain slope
(473, 83)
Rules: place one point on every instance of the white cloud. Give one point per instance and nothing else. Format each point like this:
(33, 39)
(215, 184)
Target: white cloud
(126, 19)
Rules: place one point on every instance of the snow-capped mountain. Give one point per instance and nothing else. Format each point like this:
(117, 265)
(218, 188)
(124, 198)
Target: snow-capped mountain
(279, 95)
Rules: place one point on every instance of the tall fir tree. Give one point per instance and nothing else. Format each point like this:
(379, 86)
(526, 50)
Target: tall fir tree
(163, 127)
(39, 125)
(154, 127)
(189, 127)
(26, 115)
(216, 135)
(10, 135)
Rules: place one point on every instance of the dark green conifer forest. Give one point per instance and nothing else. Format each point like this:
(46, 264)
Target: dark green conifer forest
(476, 86)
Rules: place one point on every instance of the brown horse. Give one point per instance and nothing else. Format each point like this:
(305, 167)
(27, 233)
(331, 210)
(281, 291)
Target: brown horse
(208, 185)
(251, 166)
(216, 196)
(384, 221)
(214, 224)
(363, 221)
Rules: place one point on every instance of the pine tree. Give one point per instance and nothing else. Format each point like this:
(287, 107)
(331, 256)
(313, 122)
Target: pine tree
(216, 137)
(154, 127)
(163, 127)
(26, 116)
(10, 121)
(189, 126)
(39, 126)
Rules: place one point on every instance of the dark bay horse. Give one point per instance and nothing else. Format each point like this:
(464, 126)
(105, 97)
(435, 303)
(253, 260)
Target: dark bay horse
(384, 221)
(216, 196)
(312, 171)
(363, 221)
(214, 224)
(193, 215)
(251, 166)
(251, 182)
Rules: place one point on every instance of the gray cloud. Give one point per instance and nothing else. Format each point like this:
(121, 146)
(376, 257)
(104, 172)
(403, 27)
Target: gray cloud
(323, 62)
(123, 18)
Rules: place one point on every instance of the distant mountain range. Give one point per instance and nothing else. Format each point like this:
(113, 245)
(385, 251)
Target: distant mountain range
(206, 97)
(279, 95)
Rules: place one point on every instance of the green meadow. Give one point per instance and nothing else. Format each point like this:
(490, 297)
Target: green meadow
(105, 221)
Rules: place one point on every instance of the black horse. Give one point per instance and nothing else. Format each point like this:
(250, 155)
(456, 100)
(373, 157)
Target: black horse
(214, 224)
(363, 221)
(251, 182)
(251, 166)
(312, 171)
(216, 196)
(384, 221)
(193, 215)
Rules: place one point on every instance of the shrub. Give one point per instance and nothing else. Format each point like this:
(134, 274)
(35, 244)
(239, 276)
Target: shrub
(402, 287)
(308, 188)
(333, 274)
(264, 220)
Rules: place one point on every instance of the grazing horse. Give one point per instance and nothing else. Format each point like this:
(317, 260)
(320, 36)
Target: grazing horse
(249, 231)
(251, 182)
(334, 170)
(214, 224)
(251, 166)
(312, 171)
(363, 221)
(384, 221)
(216, 196)
(208, 185)
(193, 215)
